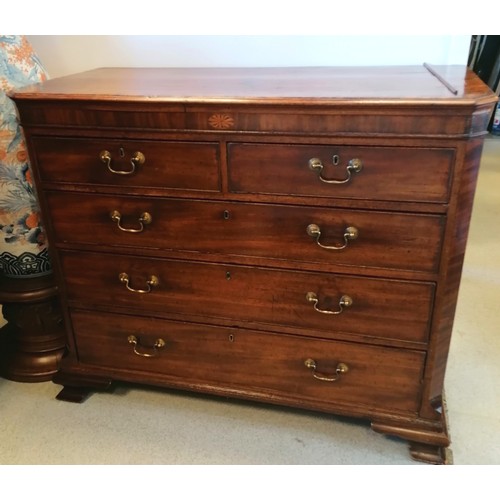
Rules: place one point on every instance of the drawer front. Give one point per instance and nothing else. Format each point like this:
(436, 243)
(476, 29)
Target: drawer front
(174, 165)
(384, 239)
(233, 358)
(387, 174)
(388, 309)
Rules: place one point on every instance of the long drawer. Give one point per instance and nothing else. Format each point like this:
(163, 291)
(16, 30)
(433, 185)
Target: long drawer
(158, 164)
(372, 173)
(314, 302)
(321, 370)
(382, 239)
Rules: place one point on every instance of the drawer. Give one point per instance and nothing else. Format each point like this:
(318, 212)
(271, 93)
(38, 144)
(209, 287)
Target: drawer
(173, 165)
(388, 309)
(376, 377)
(384, 239)
(387, 173)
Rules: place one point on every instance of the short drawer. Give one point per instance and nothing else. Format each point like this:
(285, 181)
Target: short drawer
(187, 354)
(154, 164)
(313, 302)
(382, 239)
(368, 173)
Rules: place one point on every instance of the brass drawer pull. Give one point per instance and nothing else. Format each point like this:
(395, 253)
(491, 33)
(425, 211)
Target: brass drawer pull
(345, 301)
(354, 166)
(137, 158)
(152, 282)
(132, 339)
(144, 219)
(340, 370)
(350, 234)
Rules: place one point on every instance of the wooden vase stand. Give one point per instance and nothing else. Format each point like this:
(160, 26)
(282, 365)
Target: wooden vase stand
(33, 340)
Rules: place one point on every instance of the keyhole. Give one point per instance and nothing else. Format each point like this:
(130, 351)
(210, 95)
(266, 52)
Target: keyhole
(122, 152)
(228, 275)
(336, 159)
(226, 215)
(231, 338)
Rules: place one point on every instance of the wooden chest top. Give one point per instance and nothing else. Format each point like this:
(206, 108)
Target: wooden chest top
(306, 85)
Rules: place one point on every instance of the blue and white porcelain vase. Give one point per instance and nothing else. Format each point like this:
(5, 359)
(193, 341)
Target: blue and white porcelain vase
(23, 249)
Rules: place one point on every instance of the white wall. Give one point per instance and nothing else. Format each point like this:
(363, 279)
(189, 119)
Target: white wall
(63, 54)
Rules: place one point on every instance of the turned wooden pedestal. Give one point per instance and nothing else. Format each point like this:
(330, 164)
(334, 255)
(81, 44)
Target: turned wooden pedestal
(33, 340)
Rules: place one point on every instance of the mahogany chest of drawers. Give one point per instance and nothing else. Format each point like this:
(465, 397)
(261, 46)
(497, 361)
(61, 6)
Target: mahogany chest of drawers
(292, 236)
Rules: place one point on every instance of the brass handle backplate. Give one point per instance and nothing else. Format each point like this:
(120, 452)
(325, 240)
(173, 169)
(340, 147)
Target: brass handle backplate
(345, 301)
(144, 219)
(340, 370)
(350, 233)
(136, 159)
(132, 339)
(151, 282)
(354, 166)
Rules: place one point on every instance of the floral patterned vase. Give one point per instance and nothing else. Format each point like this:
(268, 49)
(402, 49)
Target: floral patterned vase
(23, 250)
